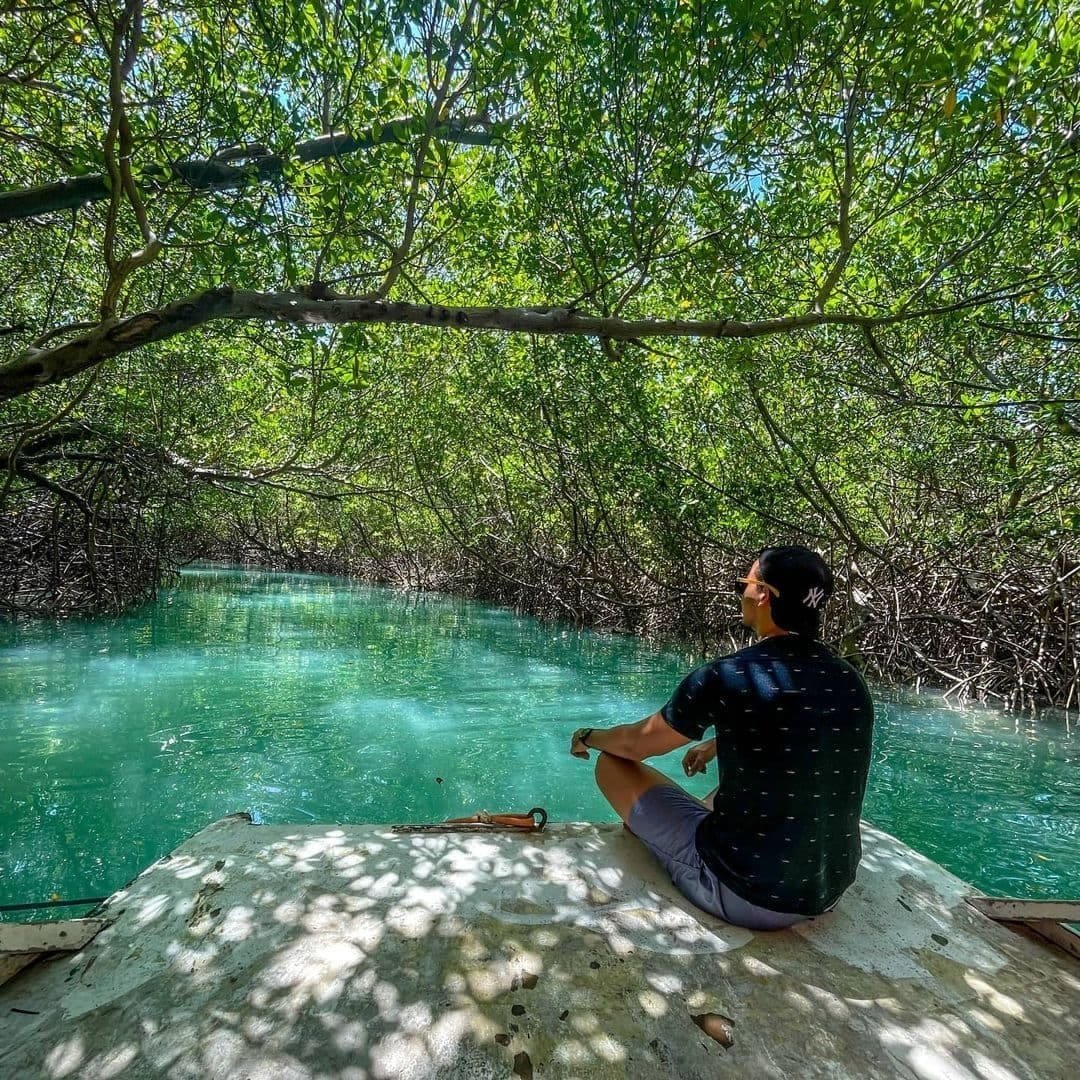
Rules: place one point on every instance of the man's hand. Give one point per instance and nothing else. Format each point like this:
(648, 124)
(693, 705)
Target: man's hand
(697, 757)
(577, 747)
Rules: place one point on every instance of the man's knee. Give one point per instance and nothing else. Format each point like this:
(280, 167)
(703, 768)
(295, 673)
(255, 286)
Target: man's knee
(601, 768)
(616, 784)
(607, 765)
(610, 773)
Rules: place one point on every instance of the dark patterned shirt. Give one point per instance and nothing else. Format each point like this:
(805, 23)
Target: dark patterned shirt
(793, 729)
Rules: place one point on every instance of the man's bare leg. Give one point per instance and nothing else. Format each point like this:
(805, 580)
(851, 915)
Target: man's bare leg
(623, 782)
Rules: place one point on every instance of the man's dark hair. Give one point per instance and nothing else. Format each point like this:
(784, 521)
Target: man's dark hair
(804, 582)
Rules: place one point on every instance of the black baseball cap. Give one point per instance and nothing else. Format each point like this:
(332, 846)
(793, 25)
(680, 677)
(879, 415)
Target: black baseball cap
(804, 583)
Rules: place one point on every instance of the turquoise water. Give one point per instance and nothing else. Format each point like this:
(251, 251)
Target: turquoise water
(311, 699)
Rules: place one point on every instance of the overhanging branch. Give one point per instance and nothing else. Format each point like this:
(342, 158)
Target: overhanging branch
(40, 367)
(217, 174)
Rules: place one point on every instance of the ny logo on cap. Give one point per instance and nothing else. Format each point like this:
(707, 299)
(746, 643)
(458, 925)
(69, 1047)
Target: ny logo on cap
(814, 597)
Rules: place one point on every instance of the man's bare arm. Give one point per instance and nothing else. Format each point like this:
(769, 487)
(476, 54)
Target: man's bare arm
(647, 738)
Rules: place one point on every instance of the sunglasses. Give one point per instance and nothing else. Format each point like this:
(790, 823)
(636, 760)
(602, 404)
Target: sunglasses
(741, 583)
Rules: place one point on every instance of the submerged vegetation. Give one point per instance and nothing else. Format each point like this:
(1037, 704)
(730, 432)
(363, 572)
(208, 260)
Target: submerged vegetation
(571, 305)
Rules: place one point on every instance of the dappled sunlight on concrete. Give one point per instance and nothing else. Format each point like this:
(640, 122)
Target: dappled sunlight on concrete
(354, 952)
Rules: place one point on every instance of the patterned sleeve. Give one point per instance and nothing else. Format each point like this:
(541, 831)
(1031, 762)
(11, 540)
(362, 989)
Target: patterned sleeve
(697, 701)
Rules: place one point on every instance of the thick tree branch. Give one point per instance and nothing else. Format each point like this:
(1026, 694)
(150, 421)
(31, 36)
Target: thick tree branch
(40, 367)
(217, 174)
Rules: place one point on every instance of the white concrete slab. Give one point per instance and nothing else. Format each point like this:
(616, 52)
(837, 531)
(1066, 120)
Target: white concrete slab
(297, 953)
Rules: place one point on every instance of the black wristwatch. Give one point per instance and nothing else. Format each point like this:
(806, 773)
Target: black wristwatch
(582, 738)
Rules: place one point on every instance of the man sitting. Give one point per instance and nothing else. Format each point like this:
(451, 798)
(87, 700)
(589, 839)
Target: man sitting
(793, 726)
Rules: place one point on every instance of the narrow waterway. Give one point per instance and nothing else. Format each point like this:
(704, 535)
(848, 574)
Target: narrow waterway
(312, 699)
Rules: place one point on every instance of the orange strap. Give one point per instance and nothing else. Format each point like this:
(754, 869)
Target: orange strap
(482, 821)
(526, 822)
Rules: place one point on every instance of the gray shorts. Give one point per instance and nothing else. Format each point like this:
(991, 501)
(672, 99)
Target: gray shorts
(665, 820)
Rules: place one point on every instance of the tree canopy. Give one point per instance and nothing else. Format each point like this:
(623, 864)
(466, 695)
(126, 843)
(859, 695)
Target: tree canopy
(580, 298)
